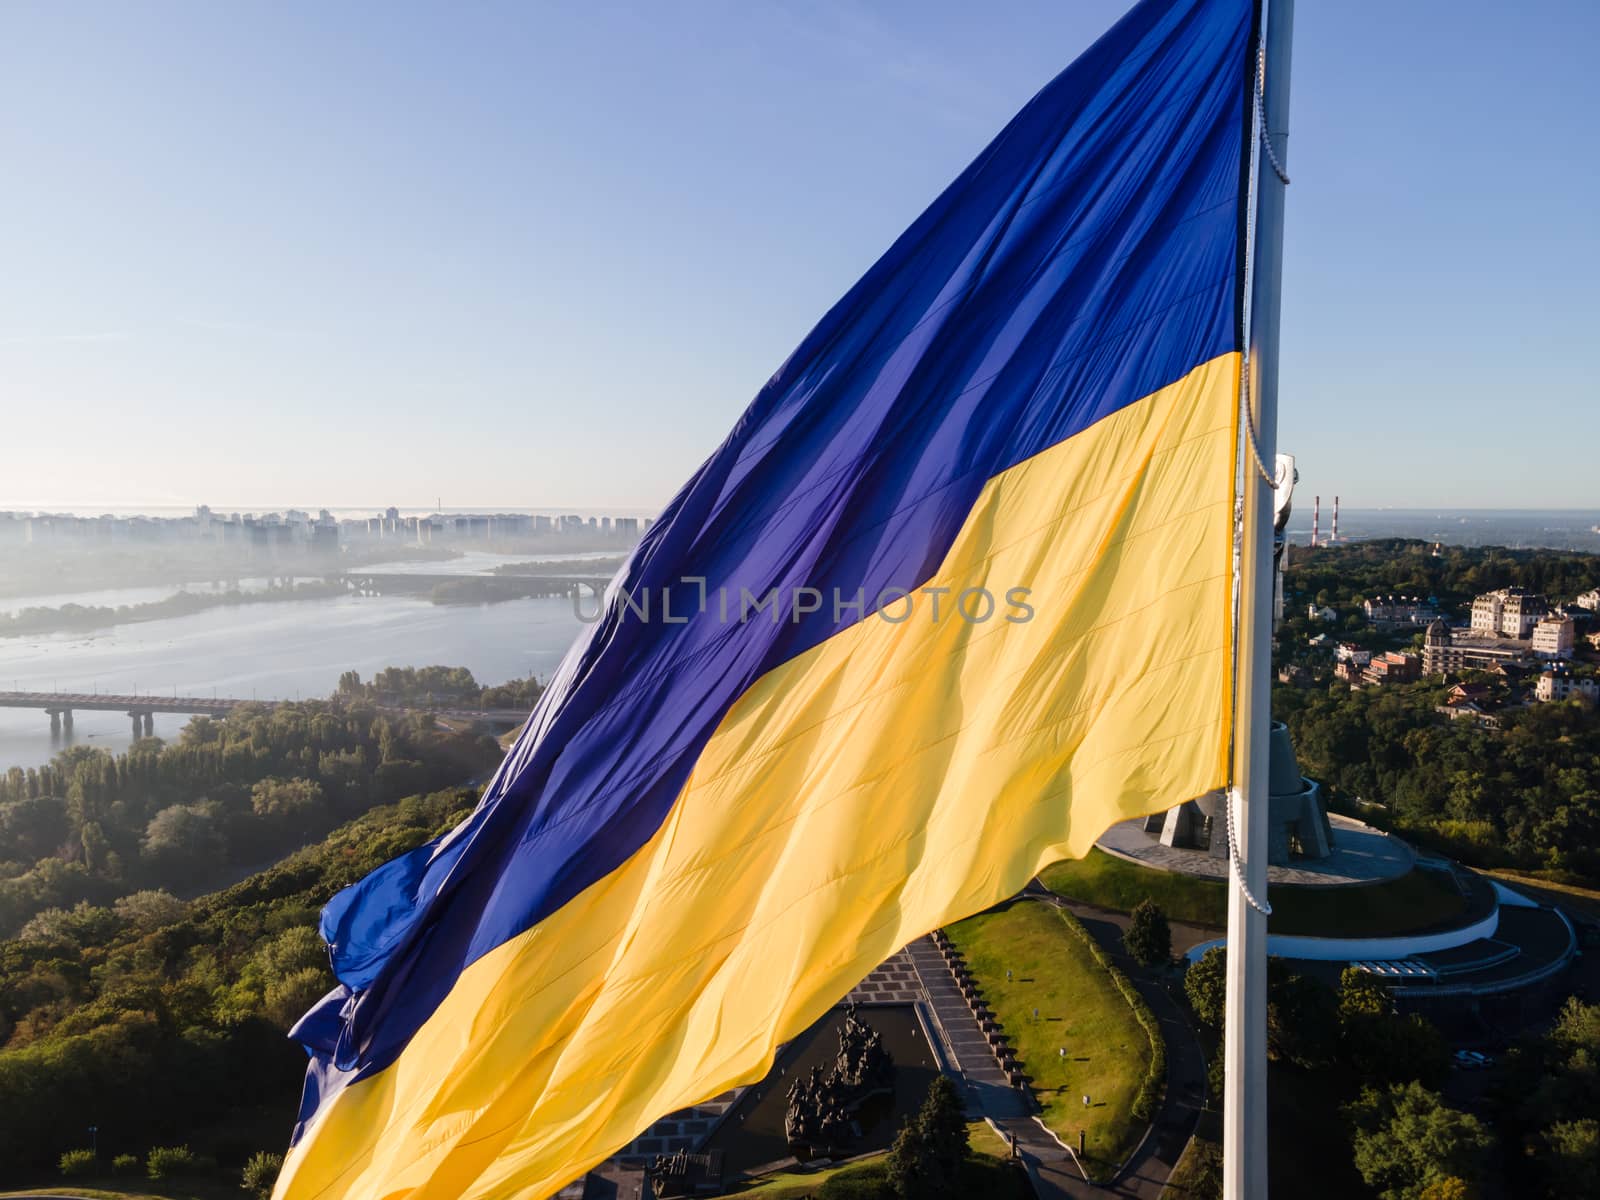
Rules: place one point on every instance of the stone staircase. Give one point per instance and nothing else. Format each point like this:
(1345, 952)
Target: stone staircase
(996, 1083)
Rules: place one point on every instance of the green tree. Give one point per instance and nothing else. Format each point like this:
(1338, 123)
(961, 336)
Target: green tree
(926, 1159)
(944, 1124)
(84, 924)
(287, 800)
(290, 998)
(1148, 937)
(1205, 983)
(1577, 1029)
(1396, 1049)
(149, 909)
(1407, 1140)
(32, 827)
(1570, 1156)
(1550, 1093)
(96, 848)
(912, 1171)
(183, 836)
(1302, 1018)
(1361, 994)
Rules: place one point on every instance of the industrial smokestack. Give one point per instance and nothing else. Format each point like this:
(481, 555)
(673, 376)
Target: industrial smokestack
(1334, 537)
(1316, 517)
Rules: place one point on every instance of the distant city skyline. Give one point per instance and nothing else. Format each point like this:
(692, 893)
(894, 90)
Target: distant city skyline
(543, 258)
(134, 509)
(1301, 517)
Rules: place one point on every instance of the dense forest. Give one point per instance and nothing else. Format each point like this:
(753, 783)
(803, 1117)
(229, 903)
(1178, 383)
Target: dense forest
(1523, 792)
(228, 796)
(1525, 795)
(1359, 1090)
(1350, 572)
(161, 1021)
(158, 1018)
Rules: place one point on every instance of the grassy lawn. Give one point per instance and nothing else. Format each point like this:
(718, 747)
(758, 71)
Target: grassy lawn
(136, 1188)
(1414, 901)
(1079, 1010)
(986, 1175)
(798, 1185)
(1582, 900)
(1106, 881)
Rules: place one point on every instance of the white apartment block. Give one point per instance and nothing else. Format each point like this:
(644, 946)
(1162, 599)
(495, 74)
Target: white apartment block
(1507, 612)
(1559, 685)
(1553, 637)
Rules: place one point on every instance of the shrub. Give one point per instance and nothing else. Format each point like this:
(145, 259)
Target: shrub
(163, 1162)
(261, 1172)
(78, 1162)
(125, 1164)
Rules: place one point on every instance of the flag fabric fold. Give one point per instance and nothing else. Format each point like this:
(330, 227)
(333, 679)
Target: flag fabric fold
(952, 597)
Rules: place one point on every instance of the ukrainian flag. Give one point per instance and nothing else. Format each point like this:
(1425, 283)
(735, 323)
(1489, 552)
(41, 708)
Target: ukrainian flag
(770, 764)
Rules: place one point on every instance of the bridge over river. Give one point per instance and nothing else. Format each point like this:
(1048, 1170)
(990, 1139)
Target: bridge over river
(142, 708)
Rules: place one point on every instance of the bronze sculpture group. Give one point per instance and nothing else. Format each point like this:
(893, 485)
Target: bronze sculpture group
(823, 1108)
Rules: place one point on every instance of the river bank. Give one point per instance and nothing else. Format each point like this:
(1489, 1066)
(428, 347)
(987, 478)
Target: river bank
(77, 617)
(284, 651)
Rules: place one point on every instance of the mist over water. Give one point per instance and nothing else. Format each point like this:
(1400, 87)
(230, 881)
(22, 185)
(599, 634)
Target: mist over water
(276, 651)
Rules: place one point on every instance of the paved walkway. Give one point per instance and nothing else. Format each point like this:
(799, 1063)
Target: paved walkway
(1051, 1169)
(1145, 1174)
(989, 1094)
(1361, 855)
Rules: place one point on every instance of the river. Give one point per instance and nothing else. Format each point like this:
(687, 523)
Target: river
(279, 650)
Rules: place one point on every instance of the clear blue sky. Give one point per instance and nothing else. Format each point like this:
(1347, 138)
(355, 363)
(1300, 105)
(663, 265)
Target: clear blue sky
(531, 254)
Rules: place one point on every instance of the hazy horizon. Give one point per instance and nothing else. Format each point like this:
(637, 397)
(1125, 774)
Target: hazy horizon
(1302, 511)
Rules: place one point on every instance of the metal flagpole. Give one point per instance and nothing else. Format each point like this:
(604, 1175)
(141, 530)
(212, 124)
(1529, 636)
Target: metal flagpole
(1244, 1098)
